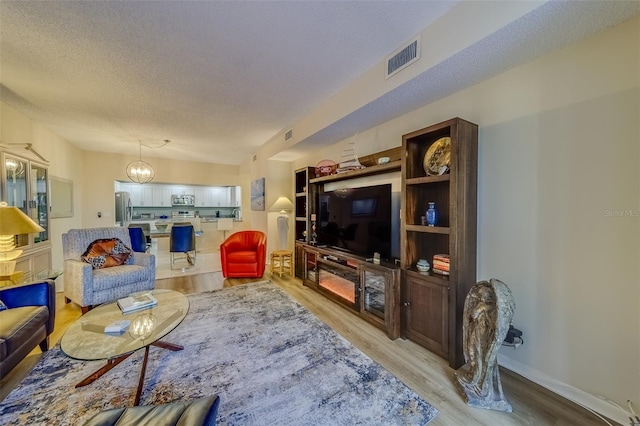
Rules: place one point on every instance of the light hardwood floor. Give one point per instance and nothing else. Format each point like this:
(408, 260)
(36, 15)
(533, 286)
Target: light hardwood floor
(427, 374)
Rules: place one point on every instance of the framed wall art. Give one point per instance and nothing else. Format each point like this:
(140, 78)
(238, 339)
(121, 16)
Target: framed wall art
(257, 194)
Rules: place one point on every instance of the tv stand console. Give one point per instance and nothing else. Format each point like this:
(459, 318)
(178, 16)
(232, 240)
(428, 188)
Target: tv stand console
(372, 291)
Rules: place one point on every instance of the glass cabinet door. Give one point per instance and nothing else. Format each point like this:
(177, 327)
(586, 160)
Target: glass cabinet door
(311, 268)
(16, 190)
(39, 202)
(373, 289)
(26, 186)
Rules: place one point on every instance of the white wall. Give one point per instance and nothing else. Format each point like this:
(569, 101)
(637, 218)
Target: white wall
(558, 208)
(278, 183)
(64, 161)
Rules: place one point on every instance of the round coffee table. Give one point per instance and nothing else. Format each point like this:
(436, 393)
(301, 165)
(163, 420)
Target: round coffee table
(86, 339)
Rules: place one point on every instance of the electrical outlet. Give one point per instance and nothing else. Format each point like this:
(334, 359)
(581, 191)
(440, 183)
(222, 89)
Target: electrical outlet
(512, 335)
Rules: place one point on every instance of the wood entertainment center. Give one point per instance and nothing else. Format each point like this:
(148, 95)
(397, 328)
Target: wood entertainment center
(372, 291)
(421, 306)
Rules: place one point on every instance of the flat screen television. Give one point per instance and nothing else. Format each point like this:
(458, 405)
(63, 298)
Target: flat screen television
(360, 221)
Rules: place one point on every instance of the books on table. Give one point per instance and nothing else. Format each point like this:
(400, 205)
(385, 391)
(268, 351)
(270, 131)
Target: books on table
(117, 327)
(137, 302)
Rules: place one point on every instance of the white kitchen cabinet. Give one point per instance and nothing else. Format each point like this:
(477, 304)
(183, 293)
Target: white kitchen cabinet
(221, 196)
(204, 196)
(147, 196)
(182, 190)
(135, 190)
(141, 195)
(235, 196)
(124, 187)
(161, 195)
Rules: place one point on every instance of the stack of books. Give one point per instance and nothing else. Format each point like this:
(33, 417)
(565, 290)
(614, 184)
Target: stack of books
(137, 302)
(441, 264)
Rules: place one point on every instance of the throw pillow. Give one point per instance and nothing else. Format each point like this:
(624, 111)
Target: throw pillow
(106, 253)
(2, 306)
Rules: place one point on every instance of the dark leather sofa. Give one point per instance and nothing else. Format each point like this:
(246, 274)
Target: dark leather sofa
(28, 321)
(200, 412)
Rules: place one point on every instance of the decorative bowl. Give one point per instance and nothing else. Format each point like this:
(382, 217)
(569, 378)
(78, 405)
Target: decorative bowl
(423, 266)
(325, 168)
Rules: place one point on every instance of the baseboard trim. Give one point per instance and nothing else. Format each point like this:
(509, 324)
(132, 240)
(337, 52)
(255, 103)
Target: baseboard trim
(585, 399)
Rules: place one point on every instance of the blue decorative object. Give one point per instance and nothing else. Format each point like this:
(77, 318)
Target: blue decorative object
(423, 265)
(432, 214)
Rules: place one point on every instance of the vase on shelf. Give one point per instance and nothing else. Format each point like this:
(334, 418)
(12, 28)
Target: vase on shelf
(432, 214)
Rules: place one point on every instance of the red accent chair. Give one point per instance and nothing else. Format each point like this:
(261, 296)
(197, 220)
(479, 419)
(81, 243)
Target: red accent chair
(244, 255)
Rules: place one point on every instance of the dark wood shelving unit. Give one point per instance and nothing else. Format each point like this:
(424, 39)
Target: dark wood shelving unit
(302, 228)
(428, 307)
(374, 289)
(433, 304)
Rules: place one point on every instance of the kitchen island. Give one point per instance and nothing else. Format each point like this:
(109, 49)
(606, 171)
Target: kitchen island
(207, 235)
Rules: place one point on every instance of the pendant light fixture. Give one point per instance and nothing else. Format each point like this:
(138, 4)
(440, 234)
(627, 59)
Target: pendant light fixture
(141, 171)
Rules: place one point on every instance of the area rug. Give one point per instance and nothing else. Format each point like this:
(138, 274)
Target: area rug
(270, 360)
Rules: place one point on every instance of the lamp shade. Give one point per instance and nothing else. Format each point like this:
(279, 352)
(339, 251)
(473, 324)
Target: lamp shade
(282, 203)
(14, 222)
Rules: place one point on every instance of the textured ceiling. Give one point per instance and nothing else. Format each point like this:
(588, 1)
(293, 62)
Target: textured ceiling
(220, 78)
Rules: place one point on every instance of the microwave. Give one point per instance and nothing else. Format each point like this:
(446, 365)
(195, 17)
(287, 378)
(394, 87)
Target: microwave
(183, 200)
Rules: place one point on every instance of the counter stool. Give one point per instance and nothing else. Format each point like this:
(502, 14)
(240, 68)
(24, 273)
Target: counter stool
(281, 262)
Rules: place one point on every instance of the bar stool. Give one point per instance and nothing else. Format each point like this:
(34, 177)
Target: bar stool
(281, 262)
(183, 240)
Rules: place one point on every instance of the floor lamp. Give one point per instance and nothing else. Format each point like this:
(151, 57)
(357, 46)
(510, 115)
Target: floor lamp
(282, 204)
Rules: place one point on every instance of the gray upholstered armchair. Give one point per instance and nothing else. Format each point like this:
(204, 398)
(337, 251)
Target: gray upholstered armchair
(89, 287)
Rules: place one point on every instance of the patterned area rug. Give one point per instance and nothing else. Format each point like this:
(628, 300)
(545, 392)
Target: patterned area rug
(270, 360)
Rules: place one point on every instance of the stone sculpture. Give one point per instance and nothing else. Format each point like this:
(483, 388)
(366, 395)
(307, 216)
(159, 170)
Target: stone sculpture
(488, 310)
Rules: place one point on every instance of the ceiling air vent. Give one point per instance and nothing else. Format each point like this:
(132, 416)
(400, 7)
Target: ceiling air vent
(403, 57)
(288, 135)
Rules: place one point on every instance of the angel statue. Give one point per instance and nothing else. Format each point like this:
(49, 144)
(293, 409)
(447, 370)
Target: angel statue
(488, 310)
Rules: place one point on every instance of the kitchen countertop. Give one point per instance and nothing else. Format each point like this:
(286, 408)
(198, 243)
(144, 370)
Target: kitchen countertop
(215, 219)
(171, 220)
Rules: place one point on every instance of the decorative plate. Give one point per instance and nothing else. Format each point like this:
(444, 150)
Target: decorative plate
(438, 157)
(325, 168)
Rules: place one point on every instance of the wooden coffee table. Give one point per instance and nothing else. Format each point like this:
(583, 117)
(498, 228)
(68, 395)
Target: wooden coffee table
(86, 339)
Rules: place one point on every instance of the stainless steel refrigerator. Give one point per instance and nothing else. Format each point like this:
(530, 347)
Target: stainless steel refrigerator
(123, 208)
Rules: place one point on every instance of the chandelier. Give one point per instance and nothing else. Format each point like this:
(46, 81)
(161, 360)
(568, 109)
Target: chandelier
(140, 171)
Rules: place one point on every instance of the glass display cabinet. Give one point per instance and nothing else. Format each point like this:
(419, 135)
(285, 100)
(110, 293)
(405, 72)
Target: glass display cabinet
(25, 185)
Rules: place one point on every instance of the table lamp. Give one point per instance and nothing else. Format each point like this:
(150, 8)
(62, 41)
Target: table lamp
(283, 204)
(12, 222)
